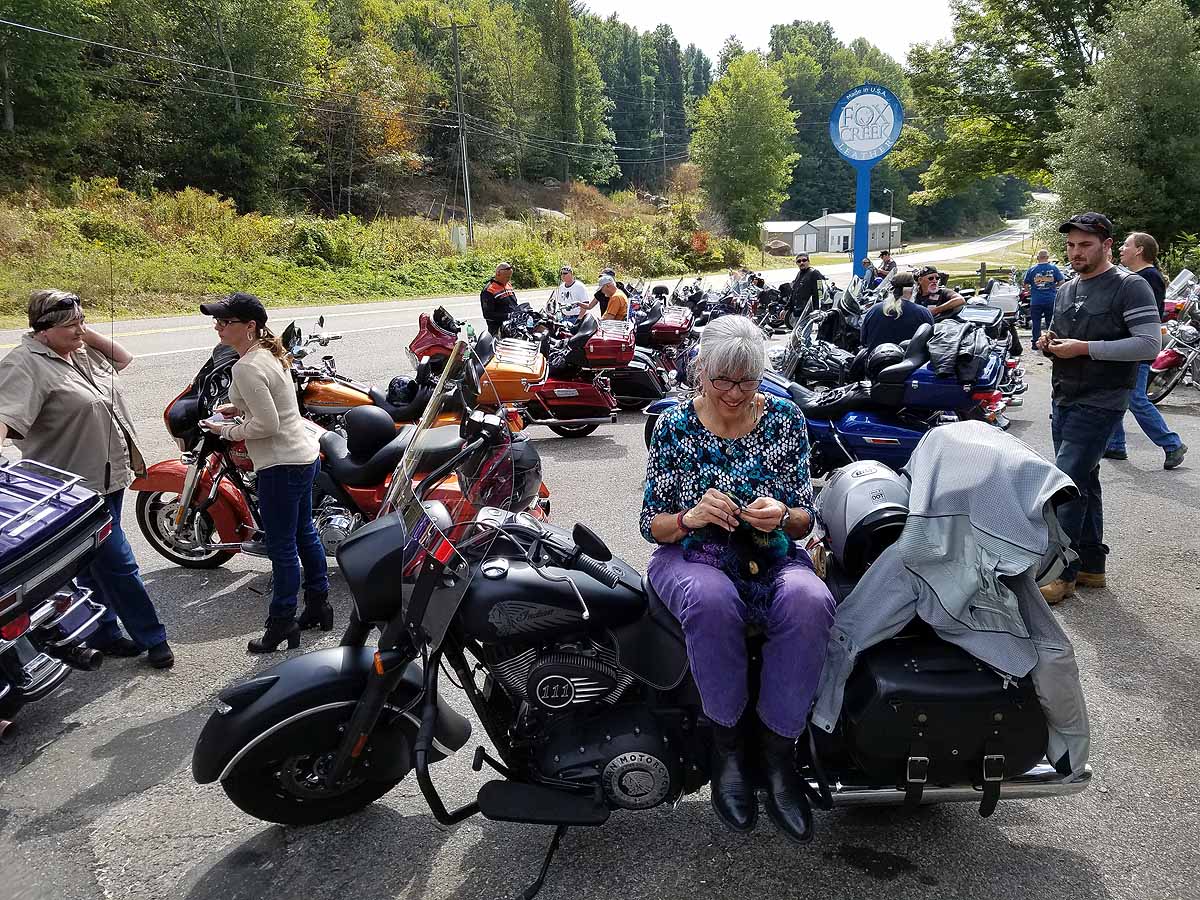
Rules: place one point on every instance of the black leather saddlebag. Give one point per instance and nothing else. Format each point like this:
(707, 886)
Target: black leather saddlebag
(921, 711)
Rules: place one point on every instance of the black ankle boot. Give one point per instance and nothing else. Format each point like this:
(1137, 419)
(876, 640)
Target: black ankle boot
(732, 794)
(278, 631)
(317, 611)
(787, 804)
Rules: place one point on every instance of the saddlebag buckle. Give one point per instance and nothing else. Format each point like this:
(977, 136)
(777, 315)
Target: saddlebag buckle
(916, 773)
(993, 774)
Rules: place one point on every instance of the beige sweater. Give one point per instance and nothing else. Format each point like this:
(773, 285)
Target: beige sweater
(271, 426)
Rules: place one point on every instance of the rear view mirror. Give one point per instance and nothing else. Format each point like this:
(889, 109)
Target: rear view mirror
(590, 543)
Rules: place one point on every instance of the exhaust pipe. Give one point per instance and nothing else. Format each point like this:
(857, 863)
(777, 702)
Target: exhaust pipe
(85, 659)
(607, 420)
(1043, 780)
(7, 729)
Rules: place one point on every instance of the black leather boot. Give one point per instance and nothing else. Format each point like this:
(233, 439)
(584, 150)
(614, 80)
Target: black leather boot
(732, 794)
(787, 804)
(317, 611)
(278, 631)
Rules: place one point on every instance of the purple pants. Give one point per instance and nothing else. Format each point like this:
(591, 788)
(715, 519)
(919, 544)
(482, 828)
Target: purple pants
(713, 617)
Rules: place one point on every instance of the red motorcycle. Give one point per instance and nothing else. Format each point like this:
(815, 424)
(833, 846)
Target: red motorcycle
(199, 510)
(1179, 359)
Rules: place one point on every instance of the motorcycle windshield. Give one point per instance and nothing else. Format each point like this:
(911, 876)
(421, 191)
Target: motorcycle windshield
(1179, 284)
(451, 490)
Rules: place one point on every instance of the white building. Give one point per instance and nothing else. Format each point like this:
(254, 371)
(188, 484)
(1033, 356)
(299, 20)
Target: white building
(833, 233)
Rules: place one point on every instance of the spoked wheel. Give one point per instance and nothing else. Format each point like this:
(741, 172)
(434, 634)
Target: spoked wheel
(190, 548)
(283, 778)
(1159, 384)
(572, 431)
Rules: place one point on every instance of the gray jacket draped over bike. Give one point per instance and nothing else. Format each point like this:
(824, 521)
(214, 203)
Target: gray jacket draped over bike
(981, 529)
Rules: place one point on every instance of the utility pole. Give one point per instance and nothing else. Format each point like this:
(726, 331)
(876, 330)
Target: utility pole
(891, 210)
(462, 129)
(663, 120)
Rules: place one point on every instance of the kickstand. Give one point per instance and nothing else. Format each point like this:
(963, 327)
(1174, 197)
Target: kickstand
(533, 889)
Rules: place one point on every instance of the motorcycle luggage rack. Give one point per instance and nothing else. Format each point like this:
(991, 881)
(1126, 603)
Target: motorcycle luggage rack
(23, 479)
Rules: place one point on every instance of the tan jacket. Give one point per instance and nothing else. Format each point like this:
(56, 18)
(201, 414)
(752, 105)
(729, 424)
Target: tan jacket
(69, 414)
(271, 425)
(618, 307)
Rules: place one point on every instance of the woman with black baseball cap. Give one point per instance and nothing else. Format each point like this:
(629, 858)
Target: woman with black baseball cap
(285, 457)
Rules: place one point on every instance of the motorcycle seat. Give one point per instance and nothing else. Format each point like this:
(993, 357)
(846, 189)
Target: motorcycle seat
(833, 404)
(407, 412)
(438, 445)
(915, 356)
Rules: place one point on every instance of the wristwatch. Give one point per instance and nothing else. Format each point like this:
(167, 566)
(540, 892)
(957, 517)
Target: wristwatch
(787, 517)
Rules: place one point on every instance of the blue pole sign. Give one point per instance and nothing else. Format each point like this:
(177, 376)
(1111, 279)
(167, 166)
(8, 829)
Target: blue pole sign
(865, 125)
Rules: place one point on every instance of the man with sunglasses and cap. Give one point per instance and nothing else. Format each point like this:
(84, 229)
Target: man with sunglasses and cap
(497, 299)
(571, 297)
(886, 263)
(60, 404)
(1105, 323)
(942, 302)
(803, 293)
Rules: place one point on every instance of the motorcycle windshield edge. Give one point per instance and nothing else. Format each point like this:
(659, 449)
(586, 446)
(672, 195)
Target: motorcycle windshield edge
(452, 490)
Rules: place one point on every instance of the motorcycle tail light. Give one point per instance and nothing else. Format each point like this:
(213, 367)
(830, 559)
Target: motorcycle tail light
(103, 534)
(15, 628)
(988, 397)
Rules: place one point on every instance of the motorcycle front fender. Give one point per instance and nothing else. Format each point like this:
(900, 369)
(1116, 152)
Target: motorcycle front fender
(1166, 360)
(229, 512)
(658, 407)
(304, 686)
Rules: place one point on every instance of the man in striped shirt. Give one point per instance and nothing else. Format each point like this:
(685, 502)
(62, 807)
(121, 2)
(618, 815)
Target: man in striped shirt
(1105, 323)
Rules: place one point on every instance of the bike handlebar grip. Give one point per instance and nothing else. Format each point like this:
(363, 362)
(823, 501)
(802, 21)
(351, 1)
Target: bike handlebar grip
(598, 570)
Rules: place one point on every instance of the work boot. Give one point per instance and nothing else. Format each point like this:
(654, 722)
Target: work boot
(1116, 454)
(160, 656)
(1090, 579)
(317, 611)
(732, 794)
(1175, 457)
(278, 631)
(787, 804)
(1058, 590)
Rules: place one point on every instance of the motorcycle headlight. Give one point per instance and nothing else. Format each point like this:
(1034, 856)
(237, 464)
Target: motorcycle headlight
(1188, 334)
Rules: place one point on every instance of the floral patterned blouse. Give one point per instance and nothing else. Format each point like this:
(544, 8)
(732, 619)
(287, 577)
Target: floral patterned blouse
(686, 459)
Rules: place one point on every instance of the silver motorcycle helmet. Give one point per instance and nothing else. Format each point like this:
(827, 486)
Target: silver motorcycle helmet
(862, 508)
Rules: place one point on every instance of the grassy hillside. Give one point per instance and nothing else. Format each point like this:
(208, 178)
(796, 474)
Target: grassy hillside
(161, 254)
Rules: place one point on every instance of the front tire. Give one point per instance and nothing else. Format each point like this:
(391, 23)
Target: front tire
(280, 780)
(572, 431)
(1160, 384)
(155, 510)
(631, 404)
(651, 421)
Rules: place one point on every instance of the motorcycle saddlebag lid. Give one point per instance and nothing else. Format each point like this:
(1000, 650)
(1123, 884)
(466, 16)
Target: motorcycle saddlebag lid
(674, 326)
(918, 696)
(515, 364)
(611, 346)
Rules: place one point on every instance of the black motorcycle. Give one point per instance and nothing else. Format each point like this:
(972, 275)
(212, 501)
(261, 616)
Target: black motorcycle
(579, 676)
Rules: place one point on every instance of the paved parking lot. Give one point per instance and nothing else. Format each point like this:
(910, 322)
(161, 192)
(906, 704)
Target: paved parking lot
(97, 800)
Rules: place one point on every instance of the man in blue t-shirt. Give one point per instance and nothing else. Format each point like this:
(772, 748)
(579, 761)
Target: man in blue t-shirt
(1043, 280)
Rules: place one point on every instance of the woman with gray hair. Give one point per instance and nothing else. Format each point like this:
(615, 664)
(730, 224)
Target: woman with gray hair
(59, 403)
(727, 491)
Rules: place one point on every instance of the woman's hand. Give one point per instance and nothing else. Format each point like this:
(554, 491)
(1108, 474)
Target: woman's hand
(764, 513)
(715, 508)
(227, 409)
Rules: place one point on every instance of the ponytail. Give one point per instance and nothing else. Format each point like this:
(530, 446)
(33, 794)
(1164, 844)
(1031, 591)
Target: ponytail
(269, 342)
(892, 306)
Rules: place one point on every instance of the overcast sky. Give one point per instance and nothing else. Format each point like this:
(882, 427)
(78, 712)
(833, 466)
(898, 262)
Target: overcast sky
(890, 25)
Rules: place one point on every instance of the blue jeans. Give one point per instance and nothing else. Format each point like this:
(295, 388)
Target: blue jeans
(114, 578)
(1148, 417)
(1080, 434)
(1037, 312)
(285, 505)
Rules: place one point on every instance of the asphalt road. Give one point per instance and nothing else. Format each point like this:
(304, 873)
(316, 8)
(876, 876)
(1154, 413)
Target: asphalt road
(97, 800)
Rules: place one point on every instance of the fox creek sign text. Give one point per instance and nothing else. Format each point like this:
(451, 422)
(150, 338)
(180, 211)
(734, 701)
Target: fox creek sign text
(864, 125)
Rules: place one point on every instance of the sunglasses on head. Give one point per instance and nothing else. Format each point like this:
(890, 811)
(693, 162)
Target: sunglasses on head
(62, 305)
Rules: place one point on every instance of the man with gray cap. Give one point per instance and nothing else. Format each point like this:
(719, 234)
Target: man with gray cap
(497, 298)
(618, 304)
(1105, 322)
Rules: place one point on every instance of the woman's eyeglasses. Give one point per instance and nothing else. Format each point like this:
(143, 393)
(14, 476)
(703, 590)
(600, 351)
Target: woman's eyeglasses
(221, 323)
(746, 386)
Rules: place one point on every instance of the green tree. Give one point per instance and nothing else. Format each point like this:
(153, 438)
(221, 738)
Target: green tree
(1129, 143)
(743, 143)
(730, 50)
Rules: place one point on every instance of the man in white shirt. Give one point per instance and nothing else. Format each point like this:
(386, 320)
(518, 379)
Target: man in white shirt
(571, 298)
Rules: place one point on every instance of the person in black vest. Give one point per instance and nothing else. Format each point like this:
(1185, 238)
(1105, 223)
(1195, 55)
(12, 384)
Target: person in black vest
(805, 287)
(1105, 323)
(497, 299)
